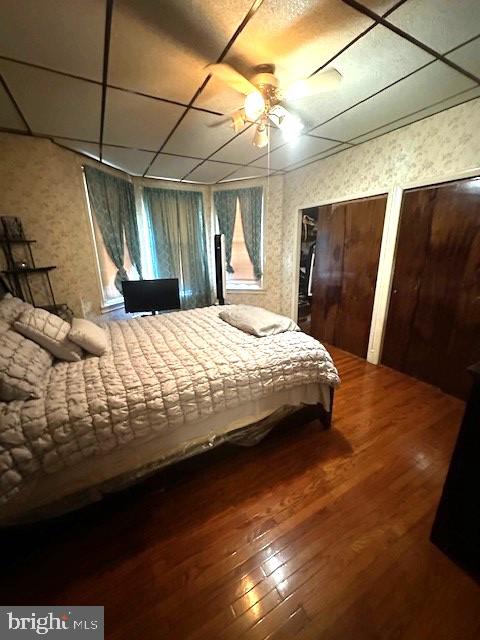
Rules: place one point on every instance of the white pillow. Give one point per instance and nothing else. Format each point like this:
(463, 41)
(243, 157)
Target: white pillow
(257, 321)
(88, 335)
(24, 366)
(11, 308)
(50, 332)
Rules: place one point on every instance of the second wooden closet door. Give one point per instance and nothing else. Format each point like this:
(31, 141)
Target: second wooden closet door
(345, 273)
(433, 327)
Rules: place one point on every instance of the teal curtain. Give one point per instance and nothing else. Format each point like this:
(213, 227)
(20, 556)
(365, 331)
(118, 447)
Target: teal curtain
(251, 203)
(225, 203)
(112, 201)
(130, 226)
(161, 207)
(178, 242)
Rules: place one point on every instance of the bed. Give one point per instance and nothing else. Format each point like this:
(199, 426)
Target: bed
(167, 387)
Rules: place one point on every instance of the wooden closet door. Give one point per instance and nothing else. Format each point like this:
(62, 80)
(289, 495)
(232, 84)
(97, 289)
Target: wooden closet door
(433, 325)
(345, 273)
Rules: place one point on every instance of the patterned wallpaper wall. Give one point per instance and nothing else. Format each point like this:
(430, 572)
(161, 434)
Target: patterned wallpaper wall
(43, 184)
(445, 143)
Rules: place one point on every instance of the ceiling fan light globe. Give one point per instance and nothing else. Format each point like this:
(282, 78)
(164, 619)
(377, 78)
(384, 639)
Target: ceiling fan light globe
(291, 127)
(277, 114)
(297, 90)
(260, 139)
(254, 105)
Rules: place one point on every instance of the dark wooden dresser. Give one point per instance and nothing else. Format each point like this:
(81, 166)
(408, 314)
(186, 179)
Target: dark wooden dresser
(456, 529)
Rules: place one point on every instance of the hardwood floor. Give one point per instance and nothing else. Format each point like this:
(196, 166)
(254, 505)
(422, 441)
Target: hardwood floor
(310, 534)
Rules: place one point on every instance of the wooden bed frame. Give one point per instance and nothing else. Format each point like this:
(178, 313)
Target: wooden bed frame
(4, 288)
(297, 417)
(324, 416)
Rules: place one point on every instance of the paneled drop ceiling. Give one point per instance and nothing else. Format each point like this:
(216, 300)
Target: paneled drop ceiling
(124, 81)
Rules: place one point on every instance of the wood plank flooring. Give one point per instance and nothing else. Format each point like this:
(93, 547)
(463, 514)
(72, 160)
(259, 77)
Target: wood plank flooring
(310, 534)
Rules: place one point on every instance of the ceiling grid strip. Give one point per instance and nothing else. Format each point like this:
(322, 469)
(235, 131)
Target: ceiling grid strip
(207, 159)
(106, 55)
(358, 6)
(301, 166)
(342, 50)
(109, 86)
(252, 11)
(406, 36)
(309, 132)
(15, 104)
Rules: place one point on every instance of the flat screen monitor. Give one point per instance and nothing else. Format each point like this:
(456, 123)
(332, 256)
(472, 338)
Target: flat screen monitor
(151, 295)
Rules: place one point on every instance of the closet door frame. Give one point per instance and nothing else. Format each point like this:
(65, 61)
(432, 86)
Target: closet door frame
(386, 263)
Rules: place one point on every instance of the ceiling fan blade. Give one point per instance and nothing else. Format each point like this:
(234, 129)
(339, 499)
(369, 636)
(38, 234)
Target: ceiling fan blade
(220, 123)
(233, 78)
(319, 83)
(236, 120)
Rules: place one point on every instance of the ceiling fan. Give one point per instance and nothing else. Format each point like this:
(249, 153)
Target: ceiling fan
(264, 97)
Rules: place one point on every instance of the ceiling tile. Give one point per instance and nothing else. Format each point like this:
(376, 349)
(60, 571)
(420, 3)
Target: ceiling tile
(137, 121)
(211, 172)
(53, 104)
(9, 118)
(241, 150)
(429, 111)
(429, 85)
(300, 149)
(468, 56)
(379, 6)
(87, 148)
(321, 156)
(66, 35)
(166, 166)
(440, 24)
(132, 161)
(375, 61)
(196, 137)
(246, 172)
(162, 48)
(297, 36)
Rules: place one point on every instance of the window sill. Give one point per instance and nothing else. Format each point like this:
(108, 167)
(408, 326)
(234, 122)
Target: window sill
(243, 287)
(112, 305)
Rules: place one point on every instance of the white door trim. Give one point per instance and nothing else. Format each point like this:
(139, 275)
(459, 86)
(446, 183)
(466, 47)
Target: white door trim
(383, 284)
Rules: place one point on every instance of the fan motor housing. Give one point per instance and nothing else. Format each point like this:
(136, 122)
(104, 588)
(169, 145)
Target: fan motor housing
(265, 80)
(267, 83)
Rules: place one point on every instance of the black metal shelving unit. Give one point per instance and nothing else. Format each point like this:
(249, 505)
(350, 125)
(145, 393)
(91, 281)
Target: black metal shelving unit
(19, 277)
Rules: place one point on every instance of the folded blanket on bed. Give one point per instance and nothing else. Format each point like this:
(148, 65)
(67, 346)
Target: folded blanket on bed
(257, 321)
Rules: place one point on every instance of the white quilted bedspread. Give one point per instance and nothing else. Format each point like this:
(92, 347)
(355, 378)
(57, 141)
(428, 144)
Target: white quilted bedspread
(157, 371)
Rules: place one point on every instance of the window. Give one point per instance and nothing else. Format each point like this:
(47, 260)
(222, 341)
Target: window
(241, 263)
(108, 271)
(240, 218)
(116, 231)
(159, 234)
(178, 242)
